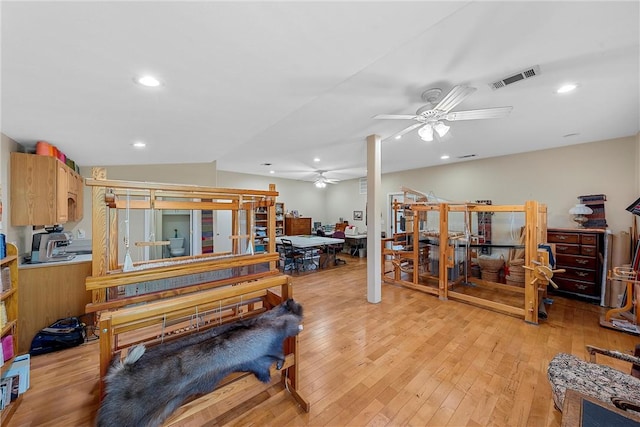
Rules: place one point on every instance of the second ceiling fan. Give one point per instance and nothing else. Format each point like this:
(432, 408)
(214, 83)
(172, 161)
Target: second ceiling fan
(430, 117)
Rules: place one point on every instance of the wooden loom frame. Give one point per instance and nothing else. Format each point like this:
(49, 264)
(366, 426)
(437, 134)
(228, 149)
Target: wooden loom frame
(252, 288)
(535, 233)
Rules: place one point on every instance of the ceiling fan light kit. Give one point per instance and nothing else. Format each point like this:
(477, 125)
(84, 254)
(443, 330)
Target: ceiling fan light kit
(430, 117)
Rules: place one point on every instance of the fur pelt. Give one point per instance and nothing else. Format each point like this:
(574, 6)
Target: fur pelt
(151, 383)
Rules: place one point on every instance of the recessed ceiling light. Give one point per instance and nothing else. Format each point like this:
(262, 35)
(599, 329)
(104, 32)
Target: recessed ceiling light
(139, 145)
(148, 81)
(272, 171)
(566, 88)
(316, 160)
(398, 136)
(444, 157)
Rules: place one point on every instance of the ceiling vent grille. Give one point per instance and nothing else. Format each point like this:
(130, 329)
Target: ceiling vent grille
(525, 74)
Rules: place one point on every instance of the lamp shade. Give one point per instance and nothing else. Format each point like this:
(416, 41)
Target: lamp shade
(441, 128)
(426, 133)
(581, 209)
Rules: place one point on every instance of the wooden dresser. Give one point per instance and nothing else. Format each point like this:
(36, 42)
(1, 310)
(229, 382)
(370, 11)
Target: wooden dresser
(297, 226)
(581, 253)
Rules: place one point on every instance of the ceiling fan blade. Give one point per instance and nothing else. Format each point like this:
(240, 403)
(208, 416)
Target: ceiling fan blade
(407, 130)
(486, 113)
(453, 98)
(395, 116)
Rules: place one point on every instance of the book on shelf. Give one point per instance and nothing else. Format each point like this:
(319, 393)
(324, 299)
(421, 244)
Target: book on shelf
(5, 279)
(5, 390)
(3, 315)
(20, 368)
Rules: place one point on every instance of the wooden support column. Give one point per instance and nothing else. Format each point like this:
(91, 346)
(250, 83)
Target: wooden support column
(99, 231)
(271, 231)
(443, 282)
(531, 253)
(374, 224)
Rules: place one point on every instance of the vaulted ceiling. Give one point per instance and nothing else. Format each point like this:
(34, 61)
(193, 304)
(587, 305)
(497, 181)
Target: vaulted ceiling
(250, 83)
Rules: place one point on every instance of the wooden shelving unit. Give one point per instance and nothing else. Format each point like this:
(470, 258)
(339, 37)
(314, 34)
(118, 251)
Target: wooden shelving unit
(10, 300)
(280, 219)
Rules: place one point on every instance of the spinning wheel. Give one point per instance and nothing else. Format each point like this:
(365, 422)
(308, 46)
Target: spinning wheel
(543, 273)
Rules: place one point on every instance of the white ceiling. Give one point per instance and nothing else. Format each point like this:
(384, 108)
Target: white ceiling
(247, 83)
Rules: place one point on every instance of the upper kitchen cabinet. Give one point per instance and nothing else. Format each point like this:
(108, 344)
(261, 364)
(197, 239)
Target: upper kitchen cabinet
(44, 191)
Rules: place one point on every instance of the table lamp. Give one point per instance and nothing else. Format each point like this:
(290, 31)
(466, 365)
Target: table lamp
(579, 211)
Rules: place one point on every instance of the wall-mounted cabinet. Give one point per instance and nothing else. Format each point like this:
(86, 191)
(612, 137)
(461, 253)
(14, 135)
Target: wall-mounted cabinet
(44, 191)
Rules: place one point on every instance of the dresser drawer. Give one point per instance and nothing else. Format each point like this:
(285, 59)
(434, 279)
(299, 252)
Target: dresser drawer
(577, 274)
(575, 286)
(588, 239)
(576, 261)
(559, 237)
(588, 251)
(563, 248)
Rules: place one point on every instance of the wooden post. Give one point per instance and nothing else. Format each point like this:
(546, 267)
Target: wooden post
(531, 254)
(443, 282)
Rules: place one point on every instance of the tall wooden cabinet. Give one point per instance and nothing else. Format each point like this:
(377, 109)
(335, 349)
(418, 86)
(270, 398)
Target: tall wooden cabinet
(44, 191)
(581, 253)
(10, 300)
(297, 226)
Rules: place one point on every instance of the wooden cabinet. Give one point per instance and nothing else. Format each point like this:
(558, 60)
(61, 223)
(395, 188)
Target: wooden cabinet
(9, 299)
(44, 191)
(297, 226)
(581, 253)
(49, 292)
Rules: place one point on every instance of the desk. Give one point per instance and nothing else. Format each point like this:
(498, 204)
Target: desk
(309, 243)
(579, 410)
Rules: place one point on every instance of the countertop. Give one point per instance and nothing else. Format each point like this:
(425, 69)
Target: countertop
(79, 258)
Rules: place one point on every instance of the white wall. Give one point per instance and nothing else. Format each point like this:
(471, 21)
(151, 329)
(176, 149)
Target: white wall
(302, 196)
(555, 177)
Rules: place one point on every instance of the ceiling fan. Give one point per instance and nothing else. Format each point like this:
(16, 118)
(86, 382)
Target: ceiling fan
(322, 181)
(430, 117)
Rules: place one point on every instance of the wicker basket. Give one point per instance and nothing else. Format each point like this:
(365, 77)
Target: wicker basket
(490, 264)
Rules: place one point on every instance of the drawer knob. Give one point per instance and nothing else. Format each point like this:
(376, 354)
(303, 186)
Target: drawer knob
(582, 261)
(561, 237)
(581, 274)
(581, 287)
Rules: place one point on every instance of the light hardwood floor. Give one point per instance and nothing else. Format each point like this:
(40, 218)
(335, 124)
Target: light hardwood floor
(409, 360)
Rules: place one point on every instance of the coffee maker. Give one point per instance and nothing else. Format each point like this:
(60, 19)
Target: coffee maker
(51, 246)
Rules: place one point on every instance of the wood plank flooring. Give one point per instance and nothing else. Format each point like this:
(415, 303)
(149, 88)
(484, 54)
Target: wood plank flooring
(409, 360)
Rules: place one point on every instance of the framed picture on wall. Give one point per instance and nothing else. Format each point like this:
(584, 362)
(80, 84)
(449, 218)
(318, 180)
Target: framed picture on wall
(357, 215)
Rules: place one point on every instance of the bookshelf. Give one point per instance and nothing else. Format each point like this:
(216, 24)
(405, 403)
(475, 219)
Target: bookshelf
(261, 226)
(9, 298)
(261, 229)
(279, 219)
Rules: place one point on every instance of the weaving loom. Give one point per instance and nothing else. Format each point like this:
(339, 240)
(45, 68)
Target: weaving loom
(162, 300)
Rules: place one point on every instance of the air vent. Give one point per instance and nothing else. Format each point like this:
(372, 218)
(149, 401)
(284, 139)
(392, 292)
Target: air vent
(525, 74)
(467, 156)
